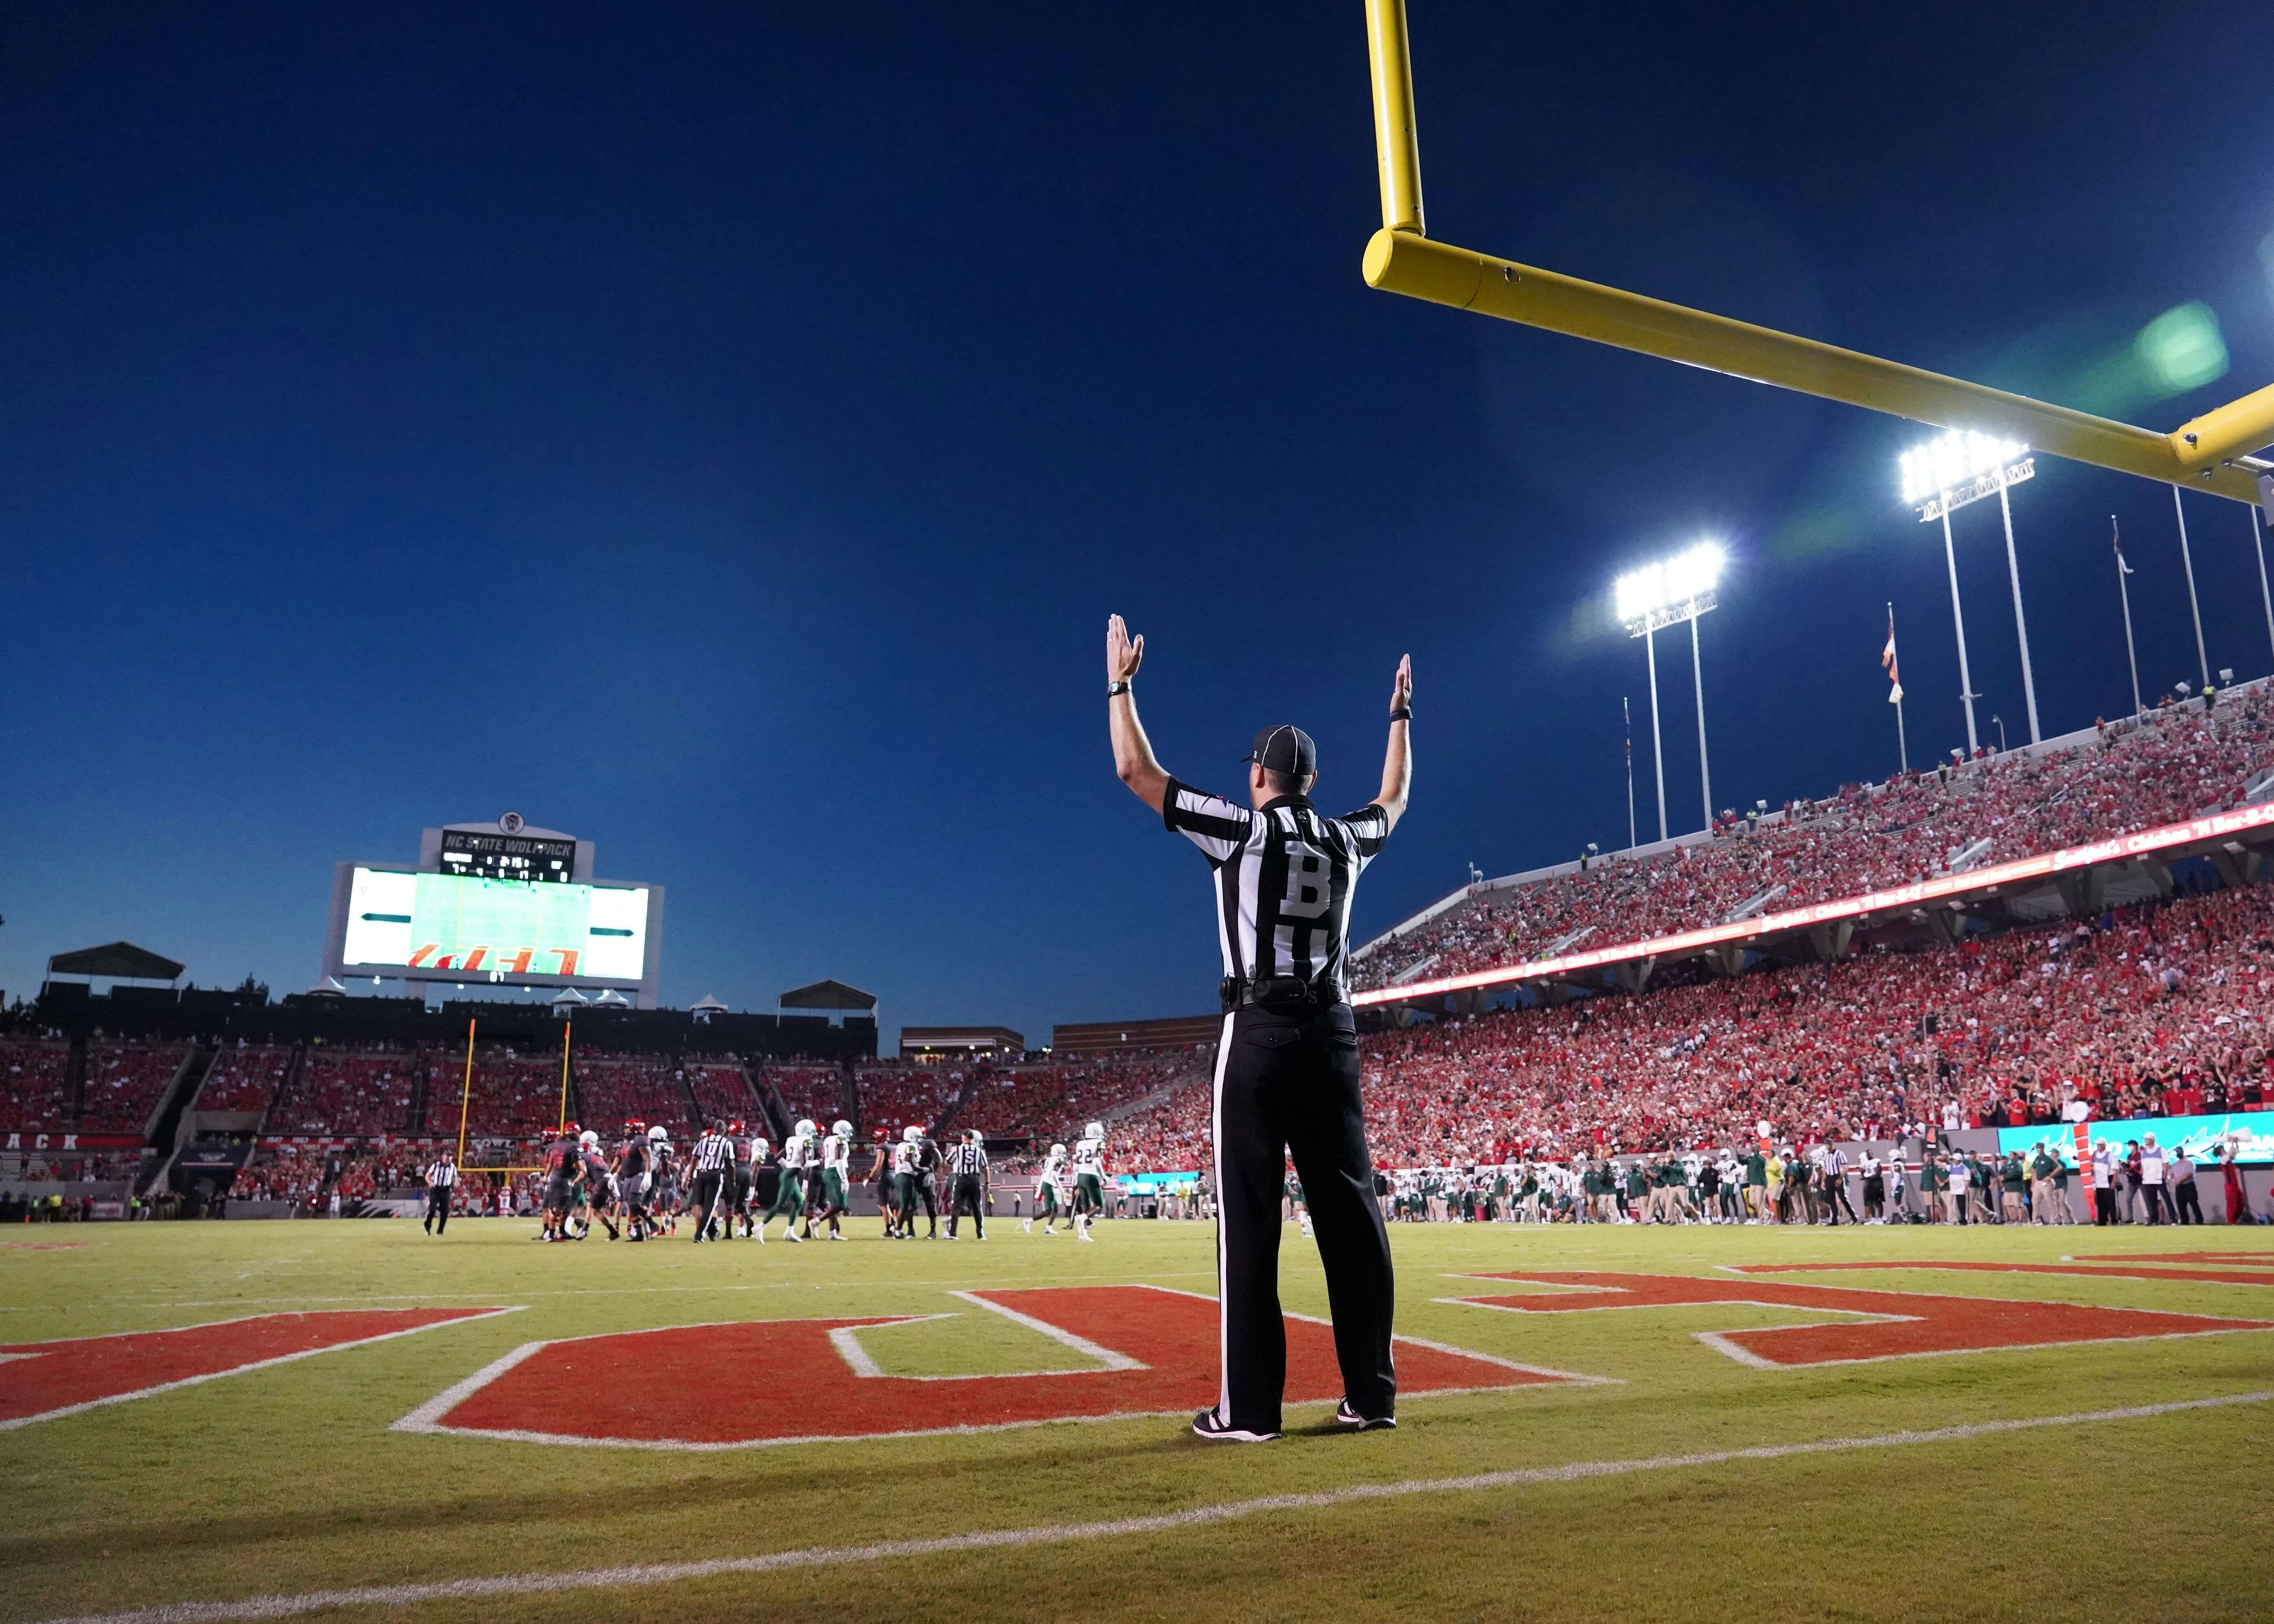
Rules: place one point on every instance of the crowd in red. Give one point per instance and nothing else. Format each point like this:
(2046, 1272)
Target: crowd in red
(123, 1083)
(2164, 1009)
(34, 1077)
(244, 1078)
(612, 1090)
(350, 1092)
(2168, 766)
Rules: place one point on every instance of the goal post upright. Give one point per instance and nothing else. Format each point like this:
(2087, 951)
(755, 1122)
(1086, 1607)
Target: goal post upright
(2206, 453)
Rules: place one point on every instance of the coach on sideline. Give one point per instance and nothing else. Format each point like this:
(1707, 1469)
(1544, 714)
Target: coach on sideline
(1286, 1062)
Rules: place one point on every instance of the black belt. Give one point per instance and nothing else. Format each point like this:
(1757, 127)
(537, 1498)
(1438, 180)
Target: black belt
(1282, 994)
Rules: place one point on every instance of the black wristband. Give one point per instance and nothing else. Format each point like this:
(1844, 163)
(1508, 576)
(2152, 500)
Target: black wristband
(1111, 688)
(1403, 713)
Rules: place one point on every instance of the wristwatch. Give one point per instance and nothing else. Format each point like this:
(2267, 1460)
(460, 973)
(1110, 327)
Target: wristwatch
(1111, 688)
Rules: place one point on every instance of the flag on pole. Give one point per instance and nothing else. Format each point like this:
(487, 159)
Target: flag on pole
(2122, 568)
(1887, 662)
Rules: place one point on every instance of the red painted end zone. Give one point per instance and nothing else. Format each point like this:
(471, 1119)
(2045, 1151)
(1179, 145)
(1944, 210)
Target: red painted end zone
(1914, 1323)
(775, 1380)
(2076, 1270)
(46, 1379)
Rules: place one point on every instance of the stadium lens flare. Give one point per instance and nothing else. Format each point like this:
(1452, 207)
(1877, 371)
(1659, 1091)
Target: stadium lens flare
(1687, 578)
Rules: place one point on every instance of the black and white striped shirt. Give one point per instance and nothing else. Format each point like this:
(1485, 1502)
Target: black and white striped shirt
(442, 1175)
(1285, 877)
(967, 1160)
(713, 1153)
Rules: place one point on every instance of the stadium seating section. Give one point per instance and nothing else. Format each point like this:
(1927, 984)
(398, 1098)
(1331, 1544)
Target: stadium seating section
(243, 1079)
(123, 1084)
(34, 1080)
(613, 1090)
(2172, 766)
(721, 1090)
(808, 1091)
(350, 1092)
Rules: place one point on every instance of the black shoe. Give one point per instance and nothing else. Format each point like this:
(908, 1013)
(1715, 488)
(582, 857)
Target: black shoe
(1206, 1425)
(1344, 1416)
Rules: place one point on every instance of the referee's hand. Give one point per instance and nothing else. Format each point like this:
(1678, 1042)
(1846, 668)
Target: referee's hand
(1123, 653)
(1401, 691)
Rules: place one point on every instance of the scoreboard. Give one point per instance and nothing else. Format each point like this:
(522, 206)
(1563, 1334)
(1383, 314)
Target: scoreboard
(507, 857)
(500, 904)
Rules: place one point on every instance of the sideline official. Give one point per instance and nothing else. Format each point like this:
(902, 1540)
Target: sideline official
(442, 1178)
(1287, 1061)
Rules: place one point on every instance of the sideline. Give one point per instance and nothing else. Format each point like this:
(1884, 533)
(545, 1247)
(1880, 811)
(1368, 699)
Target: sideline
(1199, 1516)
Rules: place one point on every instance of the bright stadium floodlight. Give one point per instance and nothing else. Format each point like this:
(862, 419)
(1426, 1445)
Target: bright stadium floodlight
(1940, 477)
(1658, 596)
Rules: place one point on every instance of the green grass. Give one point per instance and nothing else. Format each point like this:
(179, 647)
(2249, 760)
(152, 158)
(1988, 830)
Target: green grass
(287, 1479)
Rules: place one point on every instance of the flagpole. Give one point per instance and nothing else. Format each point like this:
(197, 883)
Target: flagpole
(2194, 608)
(2258, 541)
(1958, 624)
(1902, 740)
(1626, 714)
(2116, 540)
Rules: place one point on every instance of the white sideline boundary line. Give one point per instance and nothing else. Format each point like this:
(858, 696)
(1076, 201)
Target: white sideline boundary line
(283, 1607)
(234, 1370)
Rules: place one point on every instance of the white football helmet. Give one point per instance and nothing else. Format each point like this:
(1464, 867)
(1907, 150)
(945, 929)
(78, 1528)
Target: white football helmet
(975, 1136)
(1058, 1150)
(805, 1128)
(588, 1138)
(759, 1148)
(659, 1134)
(1094, 1130)
(911, 1133)
(842, 1130)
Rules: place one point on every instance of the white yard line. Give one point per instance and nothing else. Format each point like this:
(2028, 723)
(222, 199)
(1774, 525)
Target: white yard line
(282, 1606)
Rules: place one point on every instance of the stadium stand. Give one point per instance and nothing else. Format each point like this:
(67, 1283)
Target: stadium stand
(513, 1096)
(123, 1084)
(615, 1089)
(2171, 764)
(893, 1096)
(346, 1092)
(723, 1092)
(34, 1077)
(2162, 1008)
(807, 1091)
(244, 1079)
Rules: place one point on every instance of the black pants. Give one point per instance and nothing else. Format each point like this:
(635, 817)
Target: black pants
(1290, 1083)
(438, 1208)
(2103, 1205)
(707, 1188)
(2187, 1206)
(967, 1199)
(2152, 1196)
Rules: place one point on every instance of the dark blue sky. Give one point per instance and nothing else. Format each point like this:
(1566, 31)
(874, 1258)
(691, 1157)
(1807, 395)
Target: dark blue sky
(723, 437)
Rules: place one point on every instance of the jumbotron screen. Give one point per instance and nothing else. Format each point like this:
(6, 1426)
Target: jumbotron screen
(483, 927)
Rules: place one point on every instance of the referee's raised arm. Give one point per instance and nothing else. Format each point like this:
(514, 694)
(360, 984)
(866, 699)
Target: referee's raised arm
(1133, 751)
(1397, 759)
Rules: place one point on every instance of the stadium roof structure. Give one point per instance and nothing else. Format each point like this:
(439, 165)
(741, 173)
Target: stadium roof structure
(1099, 1037)
(2074, 881)
(827, 994)
(119, 961)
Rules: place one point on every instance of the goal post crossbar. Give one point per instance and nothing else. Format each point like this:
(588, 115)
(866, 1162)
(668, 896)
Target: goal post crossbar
(2205, 454)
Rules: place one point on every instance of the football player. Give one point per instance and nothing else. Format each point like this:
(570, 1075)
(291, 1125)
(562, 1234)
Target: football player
(1050, 1192)
(902, 1222)
(1089, 1179)
(630, 1169)
(789, 1199)
(836, 1172)
(560, 1160)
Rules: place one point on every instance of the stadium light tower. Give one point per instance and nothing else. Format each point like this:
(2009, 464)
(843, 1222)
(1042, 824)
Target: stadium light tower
(1662, 595)
(1945, 475)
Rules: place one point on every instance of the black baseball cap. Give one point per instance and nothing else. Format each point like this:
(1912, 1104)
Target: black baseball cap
(1285, 750)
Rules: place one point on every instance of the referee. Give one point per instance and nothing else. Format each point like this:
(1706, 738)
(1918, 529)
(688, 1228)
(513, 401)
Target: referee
(714, 1162)
(441, 1175)
(967, 1161)
(1286, 1064)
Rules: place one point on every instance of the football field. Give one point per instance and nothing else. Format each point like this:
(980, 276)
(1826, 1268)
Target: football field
(346, 1418)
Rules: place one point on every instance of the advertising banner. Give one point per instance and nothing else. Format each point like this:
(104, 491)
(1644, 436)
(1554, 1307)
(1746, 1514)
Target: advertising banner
(2251, 1133)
